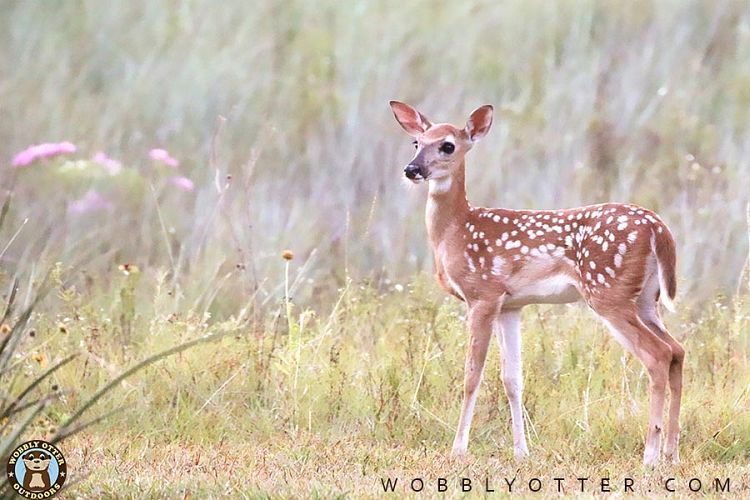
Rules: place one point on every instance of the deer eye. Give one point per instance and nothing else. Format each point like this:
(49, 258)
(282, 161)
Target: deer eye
(447, 148)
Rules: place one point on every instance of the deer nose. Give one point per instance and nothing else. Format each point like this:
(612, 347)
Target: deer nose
(411, 171)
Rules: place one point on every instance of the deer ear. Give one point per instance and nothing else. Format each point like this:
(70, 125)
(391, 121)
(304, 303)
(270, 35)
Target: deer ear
(479, 122)
(409, 118)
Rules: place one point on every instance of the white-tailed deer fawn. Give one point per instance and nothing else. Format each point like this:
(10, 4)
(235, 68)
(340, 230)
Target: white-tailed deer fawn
(619, 258)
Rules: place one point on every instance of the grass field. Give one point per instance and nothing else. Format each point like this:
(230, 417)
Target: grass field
(330, 402)
(327, 373)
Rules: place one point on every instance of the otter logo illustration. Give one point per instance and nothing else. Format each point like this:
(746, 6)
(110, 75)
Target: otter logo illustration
(36, 469)
(37, 476)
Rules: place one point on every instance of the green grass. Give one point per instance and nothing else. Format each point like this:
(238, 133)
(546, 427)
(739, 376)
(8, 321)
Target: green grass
(333, 399)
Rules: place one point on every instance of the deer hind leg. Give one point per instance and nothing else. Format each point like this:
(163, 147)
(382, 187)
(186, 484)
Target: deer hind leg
(656, 356)
(508, 332)
(648, 311)
(480, 327)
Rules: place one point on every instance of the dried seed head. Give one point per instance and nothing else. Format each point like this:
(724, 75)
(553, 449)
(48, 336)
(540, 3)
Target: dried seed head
(287, 255)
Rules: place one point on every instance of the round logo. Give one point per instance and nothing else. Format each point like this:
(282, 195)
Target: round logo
(37, 469)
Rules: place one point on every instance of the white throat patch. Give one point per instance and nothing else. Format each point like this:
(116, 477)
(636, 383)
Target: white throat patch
(440, 185)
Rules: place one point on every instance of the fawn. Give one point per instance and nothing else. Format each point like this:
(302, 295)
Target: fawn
(619, 258)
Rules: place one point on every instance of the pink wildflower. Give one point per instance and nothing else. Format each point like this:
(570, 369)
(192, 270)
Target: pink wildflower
(39, 151)
(162, 155)
(183, 183)
(111, 165)
(92, 201)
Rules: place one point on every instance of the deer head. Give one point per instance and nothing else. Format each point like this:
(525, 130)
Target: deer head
(440, 148)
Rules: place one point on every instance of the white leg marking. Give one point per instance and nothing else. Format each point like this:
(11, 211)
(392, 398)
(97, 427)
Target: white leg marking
(508, 331)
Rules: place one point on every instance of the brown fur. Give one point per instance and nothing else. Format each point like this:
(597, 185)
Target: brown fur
(498, 260)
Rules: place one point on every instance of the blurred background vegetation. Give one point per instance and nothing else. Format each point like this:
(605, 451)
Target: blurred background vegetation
(278, 113)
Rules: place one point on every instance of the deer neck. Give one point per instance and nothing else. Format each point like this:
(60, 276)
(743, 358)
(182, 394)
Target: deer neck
(447, 206)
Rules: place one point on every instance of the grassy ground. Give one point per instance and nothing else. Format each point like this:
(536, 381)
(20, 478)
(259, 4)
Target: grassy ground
(331, 402)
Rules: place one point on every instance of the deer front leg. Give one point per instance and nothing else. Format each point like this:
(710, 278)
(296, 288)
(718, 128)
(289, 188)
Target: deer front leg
(480, 319)
(509, 338)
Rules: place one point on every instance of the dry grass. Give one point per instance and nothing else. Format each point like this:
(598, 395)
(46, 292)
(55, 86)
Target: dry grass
(329, 402)
(309, 466)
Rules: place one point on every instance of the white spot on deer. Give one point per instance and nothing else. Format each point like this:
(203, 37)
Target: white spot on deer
(524, 249)
(588, 275)
(618, 260)
(490, 249)
(496, 218)
(610, 219)
(622, 248)
(600, 278)
(622, 226)
(481, 262)
(610, 271)
(475, 235)
(470, 263)
(484, 276)
(475, 247)
(505, 220)
(592, 264)
(632, 237)
(497, 265)
(503, 237)
(605, 245)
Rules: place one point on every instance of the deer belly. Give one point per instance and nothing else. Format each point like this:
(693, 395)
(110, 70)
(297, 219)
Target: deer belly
(558, 289)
